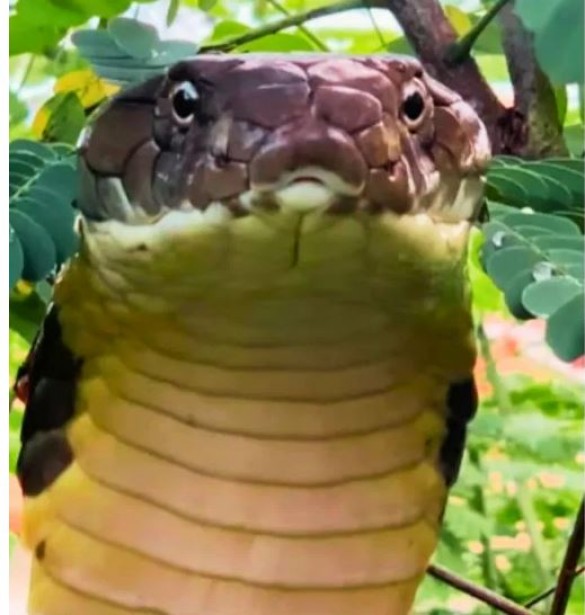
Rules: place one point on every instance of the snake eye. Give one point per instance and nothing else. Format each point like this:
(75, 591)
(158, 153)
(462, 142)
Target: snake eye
(413, 107)
(185, 101)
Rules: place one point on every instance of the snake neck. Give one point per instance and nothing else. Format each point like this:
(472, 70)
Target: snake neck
(339, 289)
(278, 421)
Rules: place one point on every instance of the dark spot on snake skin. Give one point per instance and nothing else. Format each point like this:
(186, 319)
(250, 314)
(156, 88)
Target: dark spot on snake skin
(42, 459)
(50, 371)
(461, 408)
(50, 405)
(40, 550)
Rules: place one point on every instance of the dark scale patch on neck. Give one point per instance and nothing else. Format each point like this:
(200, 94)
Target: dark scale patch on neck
(462, 403)
(42, 459)
(40, 550)
(46, 383)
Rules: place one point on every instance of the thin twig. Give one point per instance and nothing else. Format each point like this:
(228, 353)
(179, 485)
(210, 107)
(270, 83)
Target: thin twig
(500, 391)
(459, 51)
(525, 504)
(27, 72)
(503, 605)
(282, 24)
(275, 4)
(375, 25)
(490, 573)
(567, 572)
(550, 591)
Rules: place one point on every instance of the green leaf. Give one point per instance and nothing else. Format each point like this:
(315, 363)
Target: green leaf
(98, 8)
(56, 217)
(554, 21)
(61, 179)
(513, 289)
(15, 259)
(568, 178)
(26, 158)
(559, 242)
(400, 45)
(17, 110)
(576, 164)
(40, 150)
(37, 246)
(227, 29)
(575, 139)
(61, 118)
(130, 51)
(546, 221)
(45, 291)
(503, 266)
(567, 341)
(486, 296)
(532, 232)
(207, 5)
(97, 44)
(503, 187)
(43, 192)
(26, 36)
(137, 39)
(546, 297)
(497, 210)
(536, 189)
(497, 237)
(25, 315)
(57, 13)
(21, 169)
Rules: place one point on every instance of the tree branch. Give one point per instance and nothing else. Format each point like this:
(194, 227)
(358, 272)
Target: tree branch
(534, 97)
(320, 45)
(431, 35)
(282, 24)
(530, 128)
(567, 572)
(550, 591)
(461, 49)
(477, 591)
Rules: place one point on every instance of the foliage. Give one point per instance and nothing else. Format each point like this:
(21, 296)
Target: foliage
(536, 258)
(42, 189)
(518, 487)
(129, 51)
(551, 22)
(537, 261)
(510, 513)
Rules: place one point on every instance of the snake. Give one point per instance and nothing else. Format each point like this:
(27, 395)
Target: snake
(251, 391)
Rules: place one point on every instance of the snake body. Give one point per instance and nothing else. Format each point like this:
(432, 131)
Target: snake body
(251, 393)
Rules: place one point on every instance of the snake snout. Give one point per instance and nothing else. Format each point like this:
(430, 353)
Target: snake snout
(309, 148)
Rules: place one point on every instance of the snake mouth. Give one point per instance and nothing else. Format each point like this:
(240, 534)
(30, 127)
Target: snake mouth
(304, 190)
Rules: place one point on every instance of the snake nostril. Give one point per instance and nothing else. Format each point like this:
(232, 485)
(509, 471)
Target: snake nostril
(221, 160)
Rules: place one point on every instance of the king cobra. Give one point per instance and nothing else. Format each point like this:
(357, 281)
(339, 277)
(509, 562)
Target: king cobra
(251, 392)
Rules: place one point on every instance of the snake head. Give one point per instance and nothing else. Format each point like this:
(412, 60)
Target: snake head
(285, 133)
